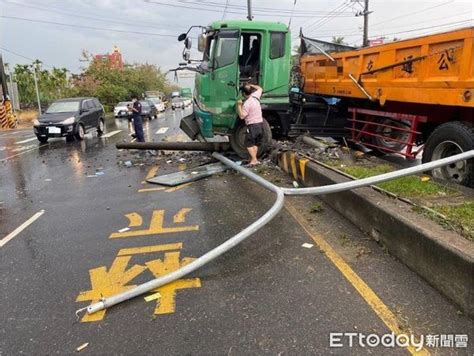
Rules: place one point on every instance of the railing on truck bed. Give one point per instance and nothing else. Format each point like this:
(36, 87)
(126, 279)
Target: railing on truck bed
(436, 69)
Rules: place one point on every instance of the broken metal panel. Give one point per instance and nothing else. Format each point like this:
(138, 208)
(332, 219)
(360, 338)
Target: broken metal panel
(189, 175)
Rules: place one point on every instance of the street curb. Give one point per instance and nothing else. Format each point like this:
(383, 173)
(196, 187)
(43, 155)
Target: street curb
(443, 258)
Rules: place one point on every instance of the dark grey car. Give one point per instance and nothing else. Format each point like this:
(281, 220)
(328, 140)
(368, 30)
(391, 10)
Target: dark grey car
(70, 118)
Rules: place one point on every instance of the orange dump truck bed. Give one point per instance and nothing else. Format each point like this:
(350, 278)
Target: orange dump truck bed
(436, 69)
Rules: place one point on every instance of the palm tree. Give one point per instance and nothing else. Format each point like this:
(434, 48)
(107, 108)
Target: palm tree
(338, 40)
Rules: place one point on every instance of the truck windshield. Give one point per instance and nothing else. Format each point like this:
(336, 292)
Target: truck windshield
(226, 48)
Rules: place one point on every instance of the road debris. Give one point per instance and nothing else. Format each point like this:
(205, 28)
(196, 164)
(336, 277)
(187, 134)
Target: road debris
(124, 229)
(82, 347)
(189, 175)
(151, 297)
(307, 245)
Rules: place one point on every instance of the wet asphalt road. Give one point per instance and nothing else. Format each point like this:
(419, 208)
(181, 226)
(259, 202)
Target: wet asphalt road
(268, 295)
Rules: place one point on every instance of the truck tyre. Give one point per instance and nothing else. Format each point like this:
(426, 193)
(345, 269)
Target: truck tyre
(447, 140)
(237, 140)
(391, 133)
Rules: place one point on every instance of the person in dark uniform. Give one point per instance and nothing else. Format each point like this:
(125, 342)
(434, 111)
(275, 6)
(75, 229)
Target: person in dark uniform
(137, 119)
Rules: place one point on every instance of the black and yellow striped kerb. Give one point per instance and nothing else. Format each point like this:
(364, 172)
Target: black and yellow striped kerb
(3, 116)
(7, 117)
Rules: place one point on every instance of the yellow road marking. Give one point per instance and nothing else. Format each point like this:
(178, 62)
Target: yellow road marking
(108, 282)
(146, 190)
(156, 227)
(180, 216)
(135, 219)
(150, 249)
(377, 305)
(170, 263)
(174, 189)
(152, 172)
(167, 190)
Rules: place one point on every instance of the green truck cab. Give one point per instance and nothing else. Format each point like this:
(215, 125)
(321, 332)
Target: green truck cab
(237, 52)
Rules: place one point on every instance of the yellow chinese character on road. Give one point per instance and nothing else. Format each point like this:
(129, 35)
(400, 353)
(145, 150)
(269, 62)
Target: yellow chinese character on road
(156, 224)
(171, 262)
(106, 283)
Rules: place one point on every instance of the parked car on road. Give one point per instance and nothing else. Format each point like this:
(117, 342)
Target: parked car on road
(187, 102)
(71, 118)
(148, 110)
(121, 109)
(177, 103)
(159, 105)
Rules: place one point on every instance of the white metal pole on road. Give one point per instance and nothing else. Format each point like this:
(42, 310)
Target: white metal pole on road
(37, 90)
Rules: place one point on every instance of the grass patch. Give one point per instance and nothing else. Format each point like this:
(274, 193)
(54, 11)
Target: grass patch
(26, 117)
(461, 215)
(411, 186)
(316, 208)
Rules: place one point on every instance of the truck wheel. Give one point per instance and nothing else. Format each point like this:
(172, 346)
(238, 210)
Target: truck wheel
(391, 133)
(447, 140)
(237, 140)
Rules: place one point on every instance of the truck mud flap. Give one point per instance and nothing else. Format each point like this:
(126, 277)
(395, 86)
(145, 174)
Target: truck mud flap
(190, 126)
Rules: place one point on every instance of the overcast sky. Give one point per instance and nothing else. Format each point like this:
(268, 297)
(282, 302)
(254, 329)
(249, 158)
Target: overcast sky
(157, 23)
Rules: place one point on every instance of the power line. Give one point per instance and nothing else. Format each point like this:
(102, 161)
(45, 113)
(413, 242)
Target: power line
(457, 23)
(427, 28)
(403, 26)
(320, 20)
(263, 14)
(291, 16)
(25, 57)
(328, 18)
(243, 7)
(413, 13)
(225, 9)
(87, 27)
(68, 13)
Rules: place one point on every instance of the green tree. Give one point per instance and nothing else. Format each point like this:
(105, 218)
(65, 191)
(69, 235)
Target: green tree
(51, 83)
(338, 40)
(112, 85)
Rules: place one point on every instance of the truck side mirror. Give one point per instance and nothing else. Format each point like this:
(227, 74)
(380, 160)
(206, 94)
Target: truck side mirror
(202, 42)
(188, 43)
(182, 37)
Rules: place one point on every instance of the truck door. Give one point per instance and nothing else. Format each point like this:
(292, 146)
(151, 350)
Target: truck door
(224, 86)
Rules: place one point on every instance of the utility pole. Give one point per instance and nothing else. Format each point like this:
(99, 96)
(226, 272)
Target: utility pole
(249, 9)
(13, 98)
(366, 12)
(366, 24)
(37, 90)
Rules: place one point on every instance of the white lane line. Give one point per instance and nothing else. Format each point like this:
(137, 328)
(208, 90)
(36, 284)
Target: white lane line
(161, 131)
(7, 135)
(27, 140)
(21, 153)
(20, 228)
(110, 134)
